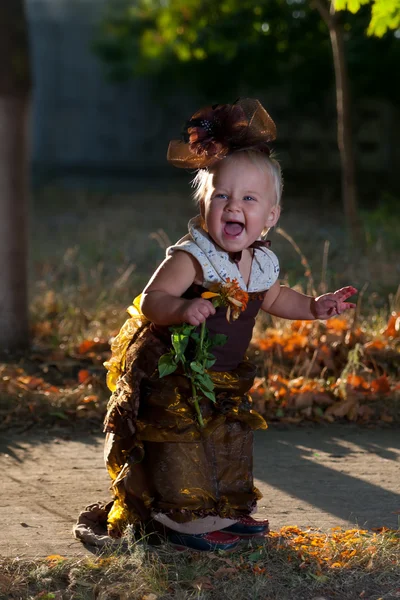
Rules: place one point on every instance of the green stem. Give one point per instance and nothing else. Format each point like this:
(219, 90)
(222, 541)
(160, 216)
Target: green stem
(199, 350)
(196, 405)
(202, 334)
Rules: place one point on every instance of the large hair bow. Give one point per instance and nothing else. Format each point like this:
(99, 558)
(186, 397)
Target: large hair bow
(216, 131)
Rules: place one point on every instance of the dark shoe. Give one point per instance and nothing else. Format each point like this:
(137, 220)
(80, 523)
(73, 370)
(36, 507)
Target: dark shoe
(249, 527)
(216, 540)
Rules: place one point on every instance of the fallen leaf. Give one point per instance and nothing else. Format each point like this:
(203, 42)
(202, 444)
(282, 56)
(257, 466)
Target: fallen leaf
(6, 583)
(393, 326)
(203, 583)
(386, 418)
(223, 571)
(380, 385)
(92, 398)
(374, 344)
(33, 383)
(336, 324)
(86, 346)
(83, 375)
(357, 381)
(254, 556)
(342, 408)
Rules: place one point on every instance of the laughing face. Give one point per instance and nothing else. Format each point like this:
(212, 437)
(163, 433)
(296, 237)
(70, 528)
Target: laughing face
(240, 203)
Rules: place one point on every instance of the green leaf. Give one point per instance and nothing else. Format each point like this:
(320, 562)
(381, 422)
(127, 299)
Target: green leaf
(255, 556)
(340, 4)
(195, 336)
(209, 395)
(188, 329)
(196, 367)
(184, 329)
(216, 301)
(59, 414)
(179, 342)
(219, 339)
(320, 578)
(209, 363)
(166, 365)
(353, 5)
(205, 381)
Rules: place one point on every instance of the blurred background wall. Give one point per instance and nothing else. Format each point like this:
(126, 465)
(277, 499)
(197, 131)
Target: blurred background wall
(87, 128)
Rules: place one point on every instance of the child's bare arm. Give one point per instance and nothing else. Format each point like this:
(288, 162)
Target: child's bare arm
(286, 303)
(161, 301)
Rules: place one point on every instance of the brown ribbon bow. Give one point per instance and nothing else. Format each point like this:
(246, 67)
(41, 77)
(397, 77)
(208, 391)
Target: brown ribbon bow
(216, 131)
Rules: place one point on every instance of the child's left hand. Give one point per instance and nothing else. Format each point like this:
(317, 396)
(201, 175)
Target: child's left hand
(329, 305)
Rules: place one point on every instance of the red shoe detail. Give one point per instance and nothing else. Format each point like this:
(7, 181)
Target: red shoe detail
(221, 537)
(250, 521)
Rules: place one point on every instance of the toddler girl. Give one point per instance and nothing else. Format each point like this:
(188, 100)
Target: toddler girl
(197, 481)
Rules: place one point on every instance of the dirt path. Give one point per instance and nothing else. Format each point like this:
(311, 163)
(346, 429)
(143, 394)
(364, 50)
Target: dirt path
(321, 477)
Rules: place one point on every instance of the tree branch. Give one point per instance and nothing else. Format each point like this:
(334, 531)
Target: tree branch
(325, 10)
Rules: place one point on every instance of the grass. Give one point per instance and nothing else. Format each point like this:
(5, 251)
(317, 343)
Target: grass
(288, 565)
(92, 252)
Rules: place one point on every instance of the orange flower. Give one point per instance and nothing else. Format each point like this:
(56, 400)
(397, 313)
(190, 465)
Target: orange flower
(228, 294)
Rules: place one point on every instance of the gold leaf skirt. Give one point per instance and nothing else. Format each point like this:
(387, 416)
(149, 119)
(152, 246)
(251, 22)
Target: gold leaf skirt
(158, 457)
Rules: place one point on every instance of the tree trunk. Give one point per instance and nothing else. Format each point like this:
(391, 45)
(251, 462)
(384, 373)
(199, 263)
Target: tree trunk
(15, 87)
(344, 129)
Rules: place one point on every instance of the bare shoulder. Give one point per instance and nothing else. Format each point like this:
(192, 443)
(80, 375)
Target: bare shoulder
(175, 274)
(271, 296)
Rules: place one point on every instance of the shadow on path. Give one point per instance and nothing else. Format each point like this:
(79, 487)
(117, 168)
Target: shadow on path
(332, 469)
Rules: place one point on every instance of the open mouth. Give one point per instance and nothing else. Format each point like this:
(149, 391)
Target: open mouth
(233, 228)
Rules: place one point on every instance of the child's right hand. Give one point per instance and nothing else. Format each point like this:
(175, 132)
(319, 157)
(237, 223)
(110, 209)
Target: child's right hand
(196, 311)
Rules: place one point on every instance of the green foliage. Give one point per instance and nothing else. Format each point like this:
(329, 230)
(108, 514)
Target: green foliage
(197, 42)
(385, 14)
(194, 363)
(382, 225)
(232, 47)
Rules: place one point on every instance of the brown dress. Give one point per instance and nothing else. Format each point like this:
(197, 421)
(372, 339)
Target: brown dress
(158, 457)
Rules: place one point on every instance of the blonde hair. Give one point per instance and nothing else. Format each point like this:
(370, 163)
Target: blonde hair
(203, 178)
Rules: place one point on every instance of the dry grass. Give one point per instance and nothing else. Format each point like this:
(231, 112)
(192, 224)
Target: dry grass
(92, 252)
(288, 565)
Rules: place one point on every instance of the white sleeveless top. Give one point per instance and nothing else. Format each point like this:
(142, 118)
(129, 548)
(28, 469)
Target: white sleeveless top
(217, 266)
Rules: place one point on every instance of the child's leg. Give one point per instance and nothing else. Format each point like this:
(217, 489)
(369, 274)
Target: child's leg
(211, 475)
(204, 525)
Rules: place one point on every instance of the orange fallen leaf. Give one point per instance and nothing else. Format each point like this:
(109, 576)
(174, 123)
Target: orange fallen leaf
(86, 346)
(83, 375)
(54, 559)
(380, 385)
(393, 326)
(92, 398)
(33, 383)
(337, 325)
(375, 344)
(357, 381)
